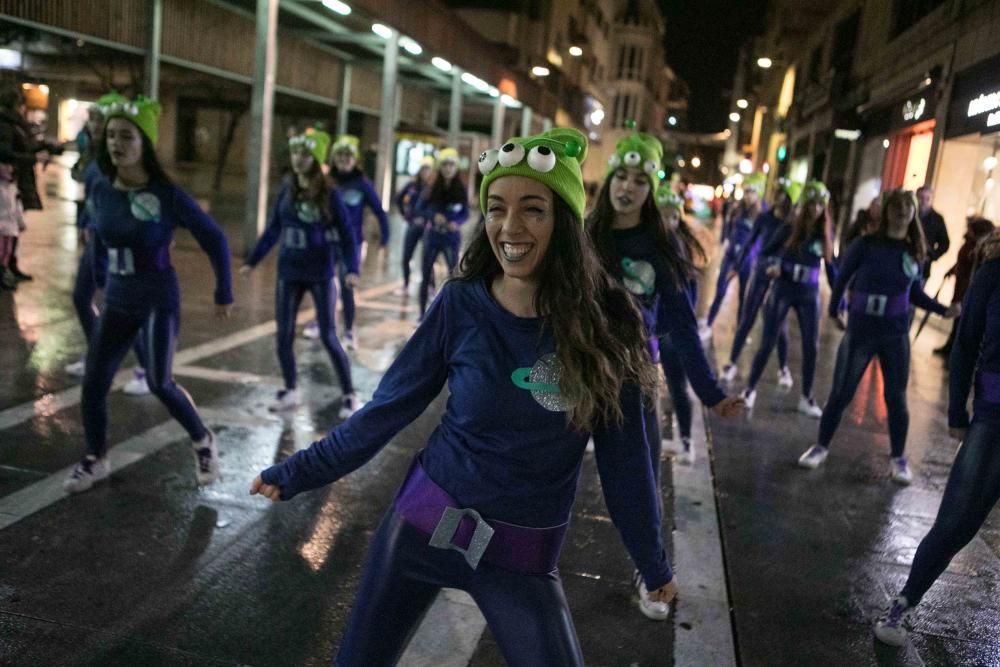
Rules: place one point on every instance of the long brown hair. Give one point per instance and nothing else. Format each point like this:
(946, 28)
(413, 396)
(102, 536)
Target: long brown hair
(317, 192)
(915, 241)
(600, 225)
(695, 251)
(598, 332)
(804, 229)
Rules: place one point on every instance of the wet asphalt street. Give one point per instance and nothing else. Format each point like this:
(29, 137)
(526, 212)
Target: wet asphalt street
(150, 570)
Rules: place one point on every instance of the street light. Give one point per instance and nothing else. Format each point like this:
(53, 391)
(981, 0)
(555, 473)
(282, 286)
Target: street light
(696, 162)
(538, 70)
(742, 103)
(441, 64)
(411, 46)
(672, 121)
(575, 51)
(383, 31)
(764, 63)
(337, 6)
(735, 117)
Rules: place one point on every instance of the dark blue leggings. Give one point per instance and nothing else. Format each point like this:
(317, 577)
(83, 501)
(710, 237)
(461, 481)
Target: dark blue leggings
(752, 301)
(112, 337)
(436, 243)
(673, 371)
(287, 299)
(853, 356)
(347, 293)
(804, 300)
(972, 491)
(728, 264)
(527, 614)
(413, 235)
(84, 290)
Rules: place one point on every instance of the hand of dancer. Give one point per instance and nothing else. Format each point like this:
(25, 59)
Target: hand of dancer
(957, 433)
(730, 406)
(352, 279)
(838, 321)
(223, 310)
(269, 491)
(773, 271)
(665, 593)
(954, 310)
(245, 270)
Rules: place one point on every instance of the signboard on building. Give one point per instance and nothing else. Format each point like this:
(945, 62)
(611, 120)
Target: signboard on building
(975, 100)
(913, 110)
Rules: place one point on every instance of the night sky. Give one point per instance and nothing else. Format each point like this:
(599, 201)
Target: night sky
(703, 41)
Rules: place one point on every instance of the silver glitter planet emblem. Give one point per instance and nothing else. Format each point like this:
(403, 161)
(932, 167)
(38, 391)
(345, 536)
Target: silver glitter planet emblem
(542, 380)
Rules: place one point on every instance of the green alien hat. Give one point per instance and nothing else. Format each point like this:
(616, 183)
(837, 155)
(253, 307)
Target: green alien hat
(667, 198)
(349, 143)
(756, 181)
(815, 190)
(316, 141)
(638, 149)
(552, 158)
(142, 111)
(791, 188)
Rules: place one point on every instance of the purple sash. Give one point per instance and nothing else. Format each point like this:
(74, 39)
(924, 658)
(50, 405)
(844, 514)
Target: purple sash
(801, 273)
(428, 507)
(880, 305)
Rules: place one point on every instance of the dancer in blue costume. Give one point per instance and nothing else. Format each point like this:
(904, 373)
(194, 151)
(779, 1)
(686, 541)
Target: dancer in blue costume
(445, 209)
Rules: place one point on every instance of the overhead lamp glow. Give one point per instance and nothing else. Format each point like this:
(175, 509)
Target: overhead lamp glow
(383, 31)
(764, 63)
(746, 166)
(672, 121)
(681, 163)
(735, 117)
(538, 70)
(475, 82)
(509, 101)
(885, 143)
(575, 51)
(742, 103)
(410, 46)
(441, 64)
(494, 92)
(337, 6)
(696, 162)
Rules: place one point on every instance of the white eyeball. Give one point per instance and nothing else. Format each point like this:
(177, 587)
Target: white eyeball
(511, 154)
(488, 160)
(614, 161)
(649, 167)
(632, 159)
(542, 159)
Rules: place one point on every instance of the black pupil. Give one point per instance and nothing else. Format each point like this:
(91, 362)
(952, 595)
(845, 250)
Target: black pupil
(482, 157)
(507, 148)
(544, 150)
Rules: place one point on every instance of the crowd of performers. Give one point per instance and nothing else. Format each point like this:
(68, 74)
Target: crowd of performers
(548, 333)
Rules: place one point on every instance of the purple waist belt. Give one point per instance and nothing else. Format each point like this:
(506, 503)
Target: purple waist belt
(428, 507)
(880, 305)
(988, 387)
(801, 273)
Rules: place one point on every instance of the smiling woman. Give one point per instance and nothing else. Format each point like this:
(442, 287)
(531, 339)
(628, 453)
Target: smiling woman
(540, 349)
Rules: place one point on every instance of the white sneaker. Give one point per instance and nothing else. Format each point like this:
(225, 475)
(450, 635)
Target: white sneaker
(899, 470)
(814, 457)
(658, 611)
(808, 407)
(728, 373)
(137, 386)
(749, 397)
(311, 330)
(349, 341)
(687, 455)
(206, 458)
(77, 368)
(286, 399)
(590, 444)
(891, 626)
(87, 472)
(785, 378)
(349, 404)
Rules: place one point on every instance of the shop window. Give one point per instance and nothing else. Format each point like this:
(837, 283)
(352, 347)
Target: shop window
(845, 40)
(906, 13)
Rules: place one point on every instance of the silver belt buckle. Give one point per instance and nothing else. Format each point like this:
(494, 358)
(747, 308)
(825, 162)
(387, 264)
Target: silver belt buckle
(798, 273)
(448, 525)
(295, 239)
(876, 305)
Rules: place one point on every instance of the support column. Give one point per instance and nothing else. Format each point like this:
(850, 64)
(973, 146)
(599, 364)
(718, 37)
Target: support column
(455, 110)
(497, 133)
(261, 121)
(526, 121)
(152, 65)
(546, 124)
(345, 99)
(387, 125)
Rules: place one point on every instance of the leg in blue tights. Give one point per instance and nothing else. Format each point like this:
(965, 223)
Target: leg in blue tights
(807, 312)
(720, 289)
(325, 297)
(775, 314)
(287, 299)
(894, 358)
(673, 371)
(853, 357)
(413, 235)
(159, 333)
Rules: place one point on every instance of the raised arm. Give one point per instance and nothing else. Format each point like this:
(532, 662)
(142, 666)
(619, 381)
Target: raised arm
(272, 233)
(375, 204)
(852, 260)
(348, 251)
(212, 240)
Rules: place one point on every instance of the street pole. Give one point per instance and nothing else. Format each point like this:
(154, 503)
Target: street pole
(261, 121)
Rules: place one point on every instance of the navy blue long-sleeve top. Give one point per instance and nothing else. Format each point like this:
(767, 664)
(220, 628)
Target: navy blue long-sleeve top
(407, 202)
(809, 254)
(503, 446)
(307, 240)
(763, 228)
(737, 231)
(143, 222)
(666, 307)
(976, 347)
(357, 192)
(90, 175)
(885, 267)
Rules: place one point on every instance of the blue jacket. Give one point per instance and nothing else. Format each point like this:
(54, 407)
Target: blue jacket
(976, 349)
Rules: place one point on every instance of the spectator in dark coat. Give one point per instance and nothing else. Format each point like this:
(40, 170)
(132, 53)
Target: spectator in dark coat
(935, 232)
(976, 231)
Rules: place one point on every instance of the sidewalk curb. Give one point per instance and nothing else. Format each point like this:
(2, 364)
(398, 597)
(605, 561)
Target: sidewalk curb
(703, 633)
